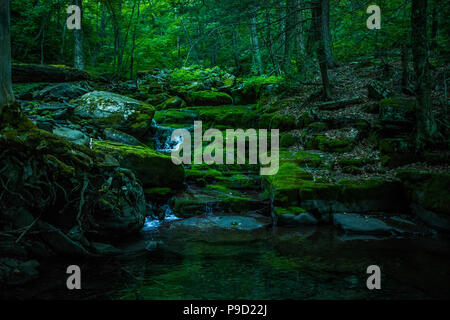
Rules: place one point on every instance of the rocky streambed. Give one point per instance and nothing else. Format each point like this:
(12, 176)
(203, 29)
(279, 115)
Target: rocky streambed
(89, 179)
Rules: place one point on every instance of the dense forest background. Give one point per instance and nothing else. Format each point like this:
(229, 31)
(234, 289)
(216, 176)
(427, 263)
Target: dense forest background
(246, 36)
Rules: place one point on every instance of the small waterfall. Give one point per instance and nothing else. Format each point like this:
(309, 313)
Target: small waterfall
(163, 138)
(208, 210)
(152, 223)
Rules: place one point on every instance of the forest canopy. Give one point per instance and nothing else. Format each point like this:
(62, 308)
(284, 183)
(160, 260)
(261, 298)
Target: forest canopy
(244, 37)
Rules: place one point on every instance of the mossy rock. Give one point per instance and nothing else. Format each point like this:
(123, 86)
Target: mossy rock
(202, 177)
(156, 99)
(160, 194)
(323, 143)
(173, 103)
(173, 116)
(153, 169)
(110, 110)
(428, 189)
(366, 195)
(302, 159)
(317, 127)
(208, 98)
(254, 88)
(276, 121)
(283, 186)
(396, 151)
(287, 140)
(227, 116)
(397, 110)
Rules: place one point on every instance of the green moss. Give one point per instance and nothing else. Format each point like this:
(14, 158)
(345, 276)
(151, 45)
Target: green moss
(152, 168)
(157, 192)
(231, 116)
(276, 121)
(317, 126)
(302, 158)
(208, 98)
(428, 189)
(290, 210)
(287, 140)
(396, 151)
(67, 171)
(173, 103)
(326, 144)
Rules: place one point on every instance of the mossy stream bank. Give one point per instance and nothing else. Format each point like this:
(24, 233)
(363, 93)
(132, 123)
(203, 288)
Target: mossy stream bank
(88, 181)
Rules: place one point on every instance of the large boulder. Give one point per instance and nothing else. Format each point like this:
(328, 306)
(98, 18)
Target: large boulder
(153, 169)
(110, 110)
(60, 92)
(207, 98)
(428, 194)
(397, 115)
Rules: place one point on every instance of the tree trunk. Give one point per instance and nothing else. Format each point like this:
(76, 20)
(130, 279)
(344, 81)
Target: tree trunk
(288, 31)
(299, 43)
(255, 43)
(269, 44)
(78, 55)
(405, 70)
(236, 51)
(426, 125)
(434, 25)
(321, 55)
(6, 93)
(327, 41)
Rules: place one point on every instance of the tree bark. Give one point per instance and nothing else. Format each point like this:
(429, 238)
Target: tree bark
(288, 31)
(78, 53)
(299, 43)
(236, 51)
(405, 69)
(321, 55)
(255, 43)
(327, 41)
(6, 93)
(426, 125)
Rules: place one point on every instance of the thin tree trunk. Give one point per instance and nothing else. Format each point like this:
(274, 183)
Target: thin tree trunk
(434, 25)
(255, 42)
(327, 41)
(269, 45)
(299, 42)
(236, 53)
(405, 70)
(78, 41)
(6, 93)
(426, 125)
(321, 55)
(289, 25)
(133, 46)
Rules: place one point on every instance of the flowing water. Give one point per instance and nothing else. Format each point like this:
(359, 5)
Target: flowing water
(268, 263)
(171, 259)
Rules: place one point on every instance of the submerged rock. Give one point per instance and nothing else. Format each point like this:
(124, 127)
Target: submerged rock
(223, 222)
(356, 223)
(293, 216)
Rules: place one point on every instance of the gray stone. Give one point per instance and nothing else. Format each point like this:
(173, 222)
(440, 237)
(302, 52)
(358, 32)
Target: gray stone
(60, 92)
(73, 135)
(356, 223)
(120, 137)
